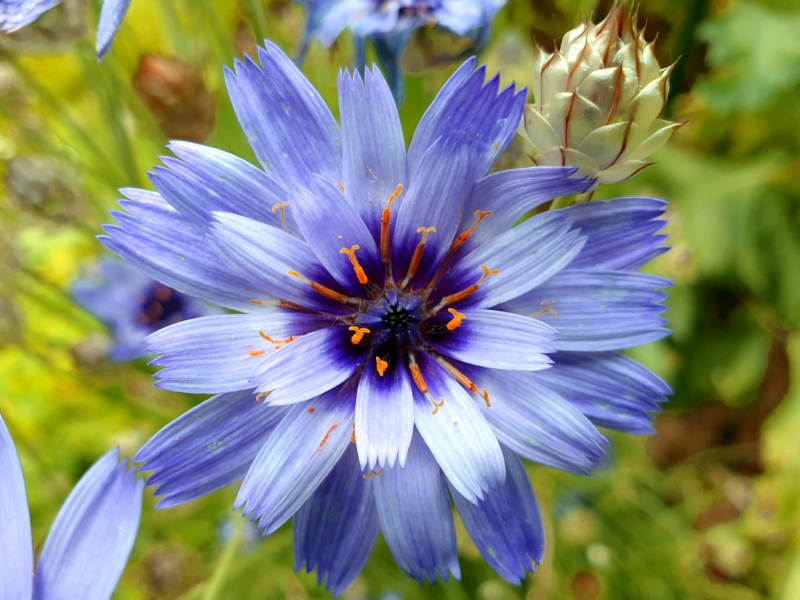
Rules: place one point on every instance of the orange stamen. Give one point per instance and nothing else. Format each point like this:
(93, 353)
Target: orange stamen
(276, 343)
(416, 375)
(381, 365)
(312, 409)
(266, 302)
(353, 435)
(351, 254)
(464, 380)
(358, 335)
(467, 292)
(339, 185)
(262, 395)
(373, 474)
(385, 216)
(327, 435)
(325, 291)
(416, 259)
(464, 236)
(456, 320)
(256, 353)
(282, 207)
(545, 310)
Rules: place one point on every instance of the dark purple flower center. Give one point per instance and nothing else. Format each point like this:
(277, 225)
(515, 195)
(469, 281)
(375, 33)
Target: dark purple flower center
(161, 306)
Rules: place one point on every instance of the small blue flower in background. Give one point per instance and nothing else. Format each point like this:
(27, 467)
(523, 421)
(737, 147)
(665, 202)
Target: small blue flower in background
(133, 305)
(19, 13)
(403, 343)
(389, 24)
(91, 538)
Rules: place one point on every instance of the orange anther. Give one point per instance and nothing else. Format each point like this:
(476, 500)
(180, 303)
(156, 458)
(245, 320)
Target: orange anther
(373, 474)
(265, 302)
(311, 410)
(327, 435)
(381, 365)
(416, 375)
(274, 342)
(325, 291)
(416, 259)
(456, 320)
(339, 185)
(467, 292)
(358, 335)
(351, 254)
(464, 236)
(262, 395)
(464, 380)
(256, 353)
(353, 435)
(545, 310)
(282, 207)
(385, 217)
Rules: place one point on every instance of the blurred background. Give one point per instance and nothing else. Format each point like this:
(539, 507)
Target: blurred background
(708, 507)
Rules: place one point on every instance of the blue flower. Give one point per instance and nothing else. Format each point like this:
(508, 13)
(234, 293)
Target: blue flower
(133, 305)
(389, 24)
(19, 13)
(111, 14)
(403, 342)
(91, 539)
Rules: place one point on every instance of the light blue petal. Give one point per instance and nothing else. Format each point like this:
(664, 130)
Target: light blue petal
(526, 256)
(218, 353)
(93, 534)
(111, 14)
(330, 224)
(335, 530)
(207, 447)
(15, 14)
(157, 239)
(415, 516)
(297, 458)
(460, 17)
(206, 180)
(372, 139)
(498, 340)
(309, 366)
(457, 434)
(622, 234)
(506, 525)
(534, 421)
(15, 524)
(264, 255)
(599, 310)
(290, 128)
(610, 389)
(509, 195)
(385, 416)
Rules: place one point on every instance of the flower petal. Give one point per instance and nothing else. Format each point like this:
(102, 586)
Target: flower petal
(265, 255)
(457, 434)
(535, 422)
(509, 195)
(15, 525)
(335, 530)
(147, 237)
(621, 234)
(207, 180)
(498, 340)
(415, 516)
(372, 141)
(217, 354)
(93, 534)
(331, 226)
(486, 122)
(384, 416)
(111, 14)
(294, 373)
(599, 310)
(506, 525)
(297, 458)
(207, 447)
(526, 256)
(610, 389)
(290, 128)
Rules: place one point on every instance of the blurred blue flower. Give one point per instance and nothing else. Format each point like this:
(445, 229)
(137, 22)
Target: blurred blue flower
(19, 13)
(389, 24)
(405, 343)
(133, 305)
(89, 543)
(111, 14)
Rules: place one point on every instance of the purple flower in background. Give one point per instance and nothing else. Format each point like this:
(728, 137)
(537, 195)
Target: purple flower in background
(19, 13)
(389, 24)
(89, 543)
(133, 305)
(404, 342)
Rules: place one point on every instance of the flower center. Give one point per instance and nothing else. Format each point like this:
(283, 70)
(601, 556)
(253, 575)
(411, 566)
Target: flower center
(160, 306)
(392, 321)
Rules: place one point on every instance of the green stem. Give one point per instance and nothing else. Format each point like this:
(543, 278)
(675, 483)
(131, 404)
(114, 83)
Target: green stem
(218, 578)
(258, 19)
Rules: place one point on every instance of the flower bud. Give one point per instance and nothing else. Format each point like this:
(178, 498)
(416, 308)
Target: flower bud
(597, 100)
